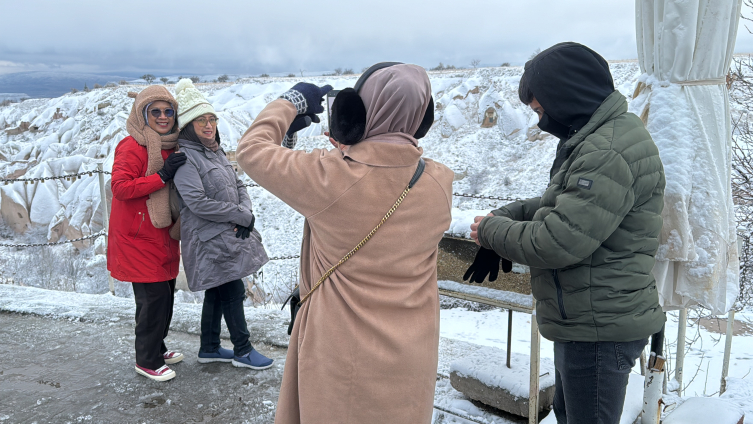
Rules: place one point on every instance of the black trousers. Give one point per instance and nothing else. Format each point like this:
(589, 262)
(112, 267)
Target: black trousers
(154, 311)
(225, 300)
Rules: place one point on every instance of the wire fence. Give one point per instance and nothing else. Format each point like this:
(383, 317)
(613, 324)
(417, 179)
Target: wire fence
(69, 177)
(73, 177)
(89, 237)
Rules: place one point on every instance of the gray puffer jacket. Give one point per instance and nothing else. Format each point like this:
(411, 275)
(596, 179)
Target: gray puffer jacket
(213, 201)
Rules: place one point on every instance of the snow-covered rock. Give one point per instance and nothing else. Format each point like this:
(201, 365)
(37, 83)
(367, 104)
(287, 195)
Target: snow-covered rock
(80, 128)
(484, 376)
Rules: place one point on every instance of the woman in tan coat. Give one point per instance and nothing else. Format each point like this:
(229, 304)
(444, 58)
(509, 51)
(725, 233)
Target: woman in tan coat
(364, 345)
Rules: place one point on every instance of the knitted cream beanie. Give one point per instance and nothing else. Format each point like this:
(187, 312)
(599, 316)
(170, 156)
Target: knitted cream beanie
(191, 103)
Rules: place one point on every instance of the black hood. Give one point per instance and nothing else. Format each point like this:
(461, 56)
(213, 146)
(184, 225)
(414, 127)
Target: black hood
(570, 81)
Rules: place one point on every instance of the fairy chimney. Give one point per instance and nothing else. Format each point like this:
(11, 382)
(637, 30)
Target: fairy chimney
(490, 118)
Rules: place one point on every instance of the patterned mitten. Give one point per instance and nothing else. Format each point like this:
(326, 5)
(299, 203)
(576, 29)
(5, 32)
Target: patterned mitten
(307, 97)
(300, 122)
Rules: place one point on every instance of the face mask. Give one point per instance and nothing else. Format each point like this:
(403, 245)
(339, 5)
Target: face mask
(548, 124)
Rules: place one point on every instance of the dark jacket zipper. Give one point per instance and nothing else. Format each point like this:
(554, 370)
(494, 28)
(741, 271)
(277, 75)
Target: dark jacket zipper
(142, 221)
(560, 299)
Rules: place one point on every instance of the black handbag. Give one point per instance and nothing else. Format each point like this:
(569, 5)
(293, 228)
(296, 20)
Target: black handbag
(295, 301)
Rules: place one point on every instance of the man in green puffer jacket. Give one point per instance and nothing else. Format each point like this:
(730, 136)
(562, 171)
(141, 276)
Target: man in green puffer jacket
(591, 238)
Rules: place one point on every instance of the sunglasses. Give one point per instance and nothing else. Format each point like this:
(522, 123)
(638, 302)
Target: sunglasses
(158, 112)
(203, 121)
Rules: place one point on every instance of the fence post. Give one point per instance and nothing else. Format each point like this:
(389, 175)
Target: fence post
(533, 393)
(680, 353)
(105, 216)
(727, 349)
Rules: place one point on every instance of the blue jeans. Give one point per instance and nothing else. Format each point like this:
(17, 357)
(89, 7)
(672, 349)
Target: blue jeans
(226, 300)
(591, 380)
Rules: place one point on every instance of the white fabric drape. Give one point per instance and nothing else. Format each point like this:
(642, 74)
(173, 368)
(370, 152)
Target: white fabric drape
(685, 49)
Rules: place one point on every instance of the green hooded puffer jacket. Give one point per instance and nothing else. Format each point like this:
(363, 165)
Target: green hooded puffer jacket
(590, 240)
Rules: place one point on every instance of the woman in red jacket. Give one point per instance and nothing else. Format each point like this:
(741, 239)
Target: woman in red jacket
(140, 249)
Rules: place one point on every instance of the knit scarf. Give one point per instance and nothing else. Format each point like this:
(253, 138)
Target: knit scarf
(158, 204)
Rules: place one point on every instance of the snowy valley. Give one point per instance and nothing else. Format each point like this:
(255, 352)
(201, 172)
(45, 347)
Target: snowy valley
(482, 132)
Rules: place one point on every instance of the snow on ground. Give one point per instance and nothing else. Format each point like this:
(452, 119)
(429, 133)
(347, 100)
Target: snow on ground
(462, 333)
(703, 358)
(265, 325)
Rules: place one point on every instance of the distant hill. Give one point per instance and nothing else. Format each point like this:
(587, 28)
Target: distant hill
(51, 84)
(14, 97)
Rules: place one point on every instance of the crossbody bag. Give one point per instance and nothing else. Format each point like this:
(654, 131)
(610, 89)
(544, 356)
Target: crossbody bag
(295, 301)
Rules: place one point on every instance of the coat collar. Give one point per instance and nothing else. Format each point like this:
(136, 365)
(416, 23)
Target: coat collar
(189, 144)
(613, 106)
(376, 153)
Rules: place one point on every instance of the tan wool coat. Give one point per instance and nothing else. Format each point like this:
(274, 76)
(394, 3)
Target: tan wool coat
(364, 346)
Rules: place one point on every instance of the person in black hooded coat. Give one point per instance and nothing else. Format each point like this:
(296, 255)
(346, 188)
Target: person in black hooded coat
(591, 238)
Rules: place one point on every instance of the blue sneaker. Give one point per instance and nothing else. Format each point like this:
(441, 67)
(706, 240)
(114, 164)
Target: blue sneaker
(253, 360)
(222, 355)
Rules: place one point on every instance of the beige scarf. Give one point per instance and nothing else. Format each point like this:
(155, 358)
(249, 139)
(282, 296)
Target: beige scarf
(158, 204)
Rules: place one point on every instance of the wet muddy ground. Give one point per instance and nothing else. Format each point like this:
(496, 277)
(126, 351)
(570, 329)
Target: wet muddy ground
(67, 371)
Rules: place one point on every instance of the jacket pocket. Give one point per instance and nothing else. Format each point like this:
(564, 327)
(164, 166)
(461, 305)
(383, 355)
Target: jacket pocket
(560, 298)
(628, 352)
(138, 222)
(210, 231)
(218, 243)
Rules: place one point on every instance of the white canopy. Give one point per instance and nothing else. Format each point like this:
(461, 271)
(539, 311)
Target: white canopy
(685, 49)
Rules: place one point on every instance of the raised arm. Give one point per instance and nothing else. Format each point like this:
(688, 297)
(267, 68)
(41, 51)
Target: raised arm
(300, 179)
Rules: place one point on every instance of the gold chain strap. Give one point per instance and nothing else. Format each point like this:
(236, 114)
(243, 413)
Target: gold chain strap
(360, 245)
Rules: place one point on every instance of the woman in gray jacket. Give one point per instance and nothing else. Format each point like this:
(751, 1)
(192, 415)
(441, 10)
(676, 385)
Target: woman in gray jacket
(218, 241)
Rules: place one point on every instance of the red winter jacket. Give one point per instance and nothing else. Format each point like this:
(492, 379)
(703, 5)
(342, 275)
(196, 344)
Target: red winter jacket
(137, 252)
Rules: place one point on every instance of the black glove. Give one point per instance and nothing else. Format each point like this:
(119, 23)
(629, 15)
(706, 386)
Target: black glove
(307, 97)
(486, 263)
(243, 232)
(172, 163)
(300, 122)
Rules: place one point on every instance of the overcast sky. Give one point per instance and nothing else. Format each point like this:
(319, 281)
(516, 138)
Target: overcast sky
(252, 37)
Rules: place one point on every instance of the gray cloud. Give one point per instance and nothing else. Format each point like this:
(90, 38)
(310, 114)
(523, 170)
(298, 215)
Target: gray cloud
(201, 37)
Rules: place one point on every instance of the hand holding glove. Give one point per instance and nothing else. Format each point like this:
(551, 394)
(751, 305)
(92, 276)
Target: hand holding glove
(486, 263)
(172, 163)
(307, 98)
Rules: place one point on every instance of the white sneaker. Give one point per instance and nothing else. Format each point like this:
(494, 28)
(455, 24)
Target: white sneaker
(172, 357)
(162, 373)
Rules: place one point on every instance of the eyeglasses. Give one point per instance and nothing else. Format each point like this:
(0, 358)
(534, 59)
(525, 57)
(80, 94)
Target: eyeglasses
(203, 121)
(158, 112)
